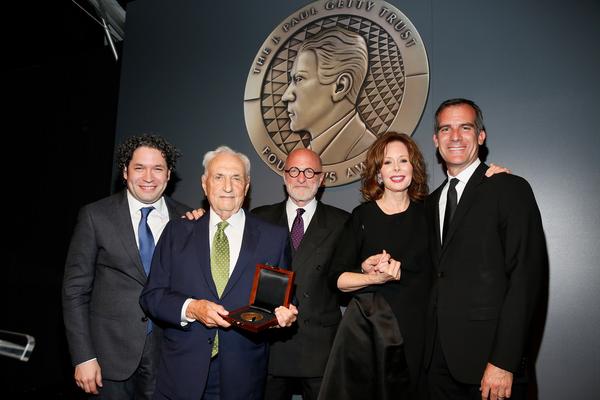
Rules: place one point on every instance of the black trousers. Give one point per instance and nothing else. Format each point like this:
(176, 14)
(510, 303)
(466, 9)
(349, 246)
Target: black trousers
(212, 390)
(284, 387)
(140, 385)
(442, 386)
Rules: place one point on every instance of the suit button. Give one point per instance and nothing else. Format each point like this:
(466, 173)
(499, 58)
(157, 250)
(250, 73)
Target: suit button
(318, 267)
(440, 274)
(210, 340)
(144, 318)
(306, 295)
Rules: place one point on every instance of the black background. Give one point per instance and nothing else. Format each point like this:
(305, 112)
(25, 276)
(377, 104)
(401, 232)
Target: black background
(62, 96)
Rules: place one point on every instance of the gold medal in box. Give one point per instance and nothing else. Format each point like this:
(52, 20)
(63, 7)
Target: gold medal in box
(251, 316)
(272, 287)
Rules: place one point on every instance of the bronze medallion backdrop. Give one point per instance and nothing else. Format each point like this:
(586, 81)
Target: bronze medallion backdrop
(392, 96)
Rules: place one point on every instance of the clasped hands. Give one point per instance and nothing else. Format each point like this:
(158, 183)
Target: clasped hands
(211, 314)
(382, 267)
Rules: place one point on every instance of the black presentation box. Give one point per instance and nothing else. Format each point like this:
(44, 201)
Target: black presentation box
(272, 287)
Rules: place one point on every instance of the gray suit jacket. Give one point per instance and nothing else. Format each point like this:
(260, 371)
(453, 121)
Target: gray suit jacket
(102, 283)
(303, 349)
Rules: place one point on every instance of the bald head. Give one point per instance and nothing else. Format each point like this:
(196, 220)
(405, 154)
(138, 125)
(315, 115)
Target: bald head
(303, 155)
(300, 188)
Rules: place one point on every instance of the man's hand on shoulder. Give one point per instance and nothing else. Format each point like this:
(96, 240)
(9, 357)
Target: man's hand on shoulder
(88, 376)
(496, 383)
(497, 169)
(194, 214)
(209, 313)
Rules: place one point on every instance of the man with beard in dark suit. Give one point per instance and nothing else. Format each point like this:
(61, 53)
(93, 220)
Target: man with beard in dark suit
(489, 254)
(299, 354)
(113, 344)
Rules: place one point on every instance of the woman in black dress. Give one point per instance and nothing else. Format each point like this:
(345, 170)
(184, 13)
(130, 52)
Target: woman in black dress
(383, 259)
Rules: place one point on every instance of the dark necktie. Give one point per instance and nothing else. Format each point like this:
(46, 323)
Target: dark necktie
(451, 202)
(146, 247)
(297, 232)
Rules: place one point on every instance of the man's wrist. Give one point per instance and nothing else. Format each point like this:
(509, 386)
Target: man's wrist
(184, 318)
(87, 361)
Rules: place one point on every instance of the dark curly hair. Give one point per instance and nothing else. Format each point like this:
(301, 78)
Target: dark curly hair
(372, 190)
(126, 149)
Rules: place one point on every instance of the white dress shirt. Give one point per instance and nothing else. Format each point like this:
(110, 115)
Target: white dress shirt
(235, 233)
(463, 177)
(309, 211)
(157, 219)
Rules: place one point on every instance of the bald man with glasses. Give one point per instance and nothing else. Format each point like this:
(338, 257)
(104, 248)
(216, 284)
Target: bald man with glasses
(299, 355)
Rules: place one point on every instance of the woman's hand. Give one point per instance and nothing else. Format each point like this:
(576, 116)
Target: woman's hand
(496, 169)
(387, 270)
(377, 269)
(373, 263)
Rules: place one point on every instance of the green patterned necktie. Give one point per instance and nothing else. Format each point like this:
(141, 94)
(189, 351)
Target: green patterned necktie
(219, 267)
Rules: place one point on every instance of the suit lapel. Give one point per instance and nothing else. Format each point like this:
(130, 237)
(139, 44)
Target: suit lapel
(171, 209)
(249, 243)
(122, 218)
(176, 210)
(435, 203)
(283, 221)
(315, 234)
(466, 201)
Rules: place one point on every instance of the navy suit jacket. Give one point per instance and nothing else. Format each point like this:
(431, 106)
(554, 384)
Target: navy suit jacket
(181, 270)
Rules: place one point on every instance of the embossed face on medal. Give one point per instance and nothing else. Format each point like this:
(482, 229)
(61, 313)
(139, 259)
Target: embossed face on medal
(332, 77)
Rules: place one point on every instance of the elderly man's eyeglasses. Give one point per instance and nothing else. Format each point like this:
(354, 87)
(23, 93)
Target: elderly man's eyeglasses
(309, 173)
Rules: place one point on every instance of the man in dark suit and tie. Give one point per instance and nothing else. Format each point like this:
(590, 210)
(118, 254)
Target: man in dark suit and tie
(201, 270)
(299, 355)
(489, 254)
(113, 344)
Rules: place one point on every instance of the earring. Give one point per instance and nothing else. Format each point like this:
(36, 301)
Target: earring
(379, 178)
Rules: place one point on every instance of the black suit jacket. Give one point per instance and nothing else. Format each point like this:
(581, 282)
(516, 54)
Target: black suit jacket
(488, 275)
(302, 350)
(103, 279)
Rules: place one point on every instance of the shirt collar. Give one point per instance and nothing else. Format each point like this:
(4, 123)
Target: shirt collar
(290, 206)
(159, 205)
(466, 173)
(235, 221)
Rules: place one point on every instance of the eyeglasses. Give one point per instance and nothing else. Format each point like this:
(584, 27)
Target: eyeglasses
(309, 173)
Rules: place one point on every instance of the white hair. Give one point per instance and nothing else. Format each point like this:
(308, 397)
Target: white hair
(208, 157)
